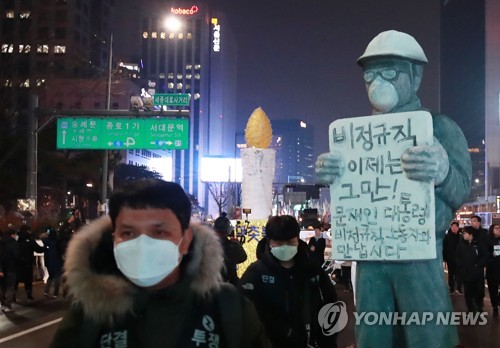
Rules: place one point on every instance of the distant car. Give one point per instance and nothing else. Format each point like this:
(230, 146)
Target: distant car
(309, 217)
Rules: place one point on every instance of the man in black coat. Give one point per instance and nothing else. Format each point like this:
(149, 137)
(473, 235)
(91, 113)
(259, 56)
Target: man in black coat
(450, 243)
(472, 257)
(233, 251)
(10, 255)
(288, 289)
(27, 246)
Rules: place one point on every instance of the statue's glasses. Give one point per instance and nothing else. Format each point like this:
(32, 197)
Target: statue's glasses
(388, 74)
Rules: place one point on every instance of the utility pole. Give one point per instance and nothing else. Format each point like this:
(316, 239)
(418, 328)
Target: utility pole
(32, 168)
(105, 159)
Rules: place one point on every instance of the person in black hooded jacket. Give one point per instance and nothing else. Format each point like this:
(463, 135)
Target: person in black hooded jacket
(233, 251)
(450, 243)
(27, 246)
(472, 257)
(493, 266)
(288, 289)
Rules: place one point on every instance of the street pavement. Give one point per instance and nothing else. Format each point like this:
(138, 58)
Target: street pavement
(33, 324)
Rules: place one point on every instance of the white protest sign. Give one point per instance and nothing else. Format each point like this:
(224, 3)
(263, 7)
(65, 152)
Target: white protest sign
(377, 213)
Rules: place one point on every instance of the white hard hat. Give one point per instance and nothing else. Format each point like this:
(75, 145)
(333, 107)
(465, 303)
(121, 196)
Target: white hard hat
(394, 43)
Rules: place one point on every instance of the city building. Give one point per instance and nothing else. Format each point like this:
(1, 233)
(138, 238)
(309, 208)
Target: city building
(46, 38)
(470, 76)
(188, 48)
(293, 141)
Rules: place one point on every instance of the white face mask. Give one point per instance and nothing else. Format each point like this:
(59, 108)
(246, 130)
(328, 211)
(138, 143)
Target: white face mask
(383, 95)
(284, 252)
(146, 261)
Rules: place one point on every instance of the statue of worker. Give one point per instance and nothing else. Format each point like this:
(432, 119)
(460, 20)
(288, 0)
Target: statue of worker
(392, 66)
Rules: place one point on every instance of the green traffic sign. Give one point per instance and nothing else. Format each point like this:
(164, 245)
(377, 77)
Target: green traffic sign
(166, 99)
(122, 133)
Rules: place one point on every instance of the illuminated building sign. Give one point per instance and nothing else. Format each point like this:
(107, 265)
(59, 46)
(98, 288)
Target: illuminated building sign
(216, 35)
(184, 11)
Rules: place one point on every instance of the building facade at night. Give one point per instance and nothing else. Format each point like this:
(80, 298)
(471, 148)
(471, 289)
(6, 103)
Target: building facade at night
(470, 35)
(293, 141)
(195, 57)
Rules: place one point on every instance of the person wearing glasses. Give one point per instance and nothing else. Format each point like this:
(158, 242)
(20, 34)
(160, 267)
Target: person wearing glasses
(393, 65)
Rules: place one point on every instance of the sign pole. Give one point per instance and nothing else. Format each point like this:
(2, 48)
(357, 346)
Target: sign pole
(31, 187)
(105, 159)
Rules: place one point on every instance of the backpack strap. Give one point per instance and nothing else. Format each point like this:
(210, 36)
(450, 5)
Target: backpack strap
(230, 309)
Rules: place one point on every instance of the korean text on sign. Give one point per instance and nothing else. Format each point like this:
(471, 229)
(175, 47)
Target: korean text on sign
(377, 213)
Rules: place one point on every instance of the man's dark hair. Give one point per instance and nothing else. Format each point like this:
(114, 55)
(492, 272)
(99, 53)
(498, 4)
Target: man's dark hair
(476, 217)
(222, 224)
(454, 223)
(152, 194)
(282, 227)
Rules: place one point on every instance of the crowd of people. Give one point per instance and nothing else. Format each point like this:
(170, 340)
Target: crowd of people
(17, 260)
(472, 254)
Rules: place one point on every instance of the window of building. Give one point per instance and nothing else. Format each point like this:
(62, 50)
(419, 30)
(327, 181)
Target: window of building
(180, 36)
(170, 76)
(196, 96)
(43, 33)
(39, 82)
(42, 49)
(189, 67)
(170, 85)
(59, 49)
(42, 66)
(163, 35)
(9, 14)
(197, 66)
(25, 14)
(145, 34)
(115, 106)
(197, 76)
(189, 76)
(162, 75)
(154, 35)
(60, 33)
(7, 48)
(25, 83)
(24, 48)
(61, 15)
(7, 83)
(171, 35)
(189, 36)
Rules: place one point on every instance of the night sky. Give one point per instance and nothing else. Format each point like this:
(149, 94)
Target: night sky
(297, 59)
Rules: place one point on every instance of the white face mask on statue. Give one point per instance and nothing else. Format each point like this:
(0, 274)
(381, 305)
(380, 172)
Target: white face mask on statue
(284, 252)
(146, 261)
(383, 95)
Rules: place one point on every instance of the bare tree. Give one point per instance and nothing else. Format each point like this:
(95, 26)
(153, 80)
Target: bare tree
(220, 192)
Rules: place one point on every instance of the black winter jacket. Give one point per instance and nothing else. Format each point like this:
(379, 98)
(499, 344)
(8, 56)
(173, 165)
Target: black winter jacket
(450, 243)
(10, 254)
(493, 266)
(471, 260)
(288, 298)
(108, 310)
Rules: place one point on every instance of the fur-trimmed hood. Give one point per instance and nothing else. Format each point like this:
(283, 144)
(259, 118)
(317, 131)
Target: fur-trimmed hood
(94, 282)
